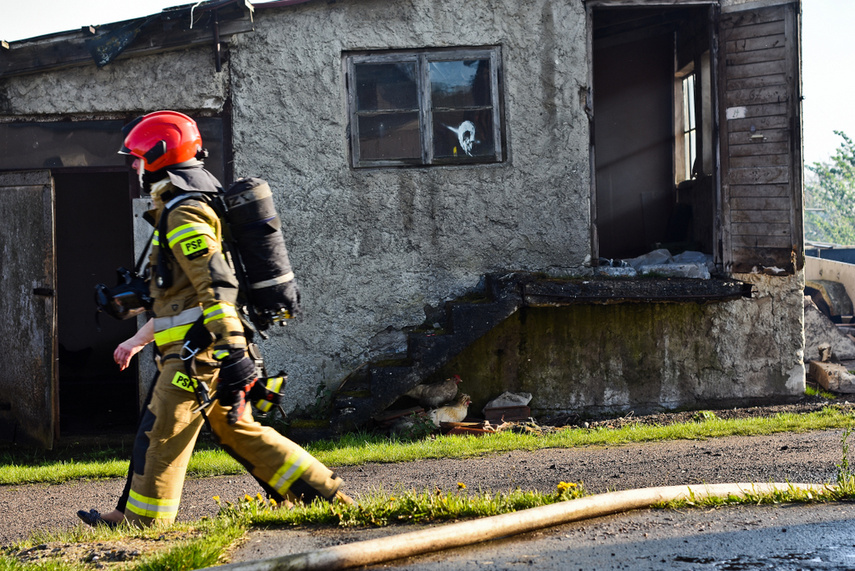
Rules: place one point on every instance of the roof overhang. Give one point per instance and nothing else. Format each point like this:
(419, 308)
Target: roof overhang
(212, 23)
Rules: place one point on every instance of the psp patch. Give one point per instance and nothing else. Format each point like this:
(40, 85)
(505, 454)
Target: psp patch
(195, 247)
(183, 382)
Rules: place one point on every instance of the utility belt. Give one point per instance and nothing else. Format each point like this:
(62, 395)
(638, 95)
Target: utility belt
(266, 393)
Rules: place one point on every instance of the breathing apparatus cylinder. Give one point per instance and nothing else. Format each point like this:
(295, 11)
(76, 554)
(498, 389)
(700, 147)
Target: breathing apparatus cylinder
(256, 230)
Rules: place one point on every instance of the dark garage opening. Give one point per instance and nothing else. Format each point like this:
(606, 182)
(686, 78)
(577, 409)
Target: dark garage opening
(93, 238)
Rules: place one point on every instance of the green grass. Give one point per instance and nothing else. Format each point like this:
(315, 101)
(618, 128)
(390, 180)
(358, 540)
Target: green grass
(819, 392)
(354, 449)
(181, 546)
(357, 449)
(788, 496)
(406, 506)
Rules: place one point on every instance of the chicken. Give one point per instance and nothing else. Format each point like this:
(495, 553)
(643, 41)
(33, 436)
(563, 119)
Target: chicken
(452, 412)
(436, 394)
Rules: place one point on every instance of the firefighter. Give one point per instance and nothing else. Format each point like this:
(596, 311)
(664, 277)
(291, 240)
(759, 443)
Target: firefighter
(199, 338)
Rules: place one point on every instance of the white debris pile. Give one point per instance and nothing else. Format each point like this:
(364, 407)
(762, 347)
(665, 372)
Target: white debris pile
(661, 263)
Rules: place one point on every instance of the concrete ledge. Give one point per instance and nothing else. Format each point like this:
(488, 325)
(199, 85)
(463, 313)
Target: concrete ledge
(549, 292)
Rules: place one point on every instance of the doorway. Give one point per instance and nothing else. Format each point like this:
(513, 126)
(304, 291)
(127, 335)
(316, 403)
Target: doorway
(94, 237)
(652, 129)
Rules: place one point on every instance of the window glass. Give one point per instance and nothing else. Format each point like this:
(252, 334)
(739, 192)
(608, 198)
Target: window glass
(690, 148)
(85, 144)
(389, 136)
(463, 83)
(386, 86)
(60, 144)
(211, 129)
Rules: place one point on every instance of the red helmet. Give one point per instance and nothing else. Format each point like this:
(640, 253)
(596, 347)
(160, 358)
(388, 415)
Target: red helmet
(162, 139)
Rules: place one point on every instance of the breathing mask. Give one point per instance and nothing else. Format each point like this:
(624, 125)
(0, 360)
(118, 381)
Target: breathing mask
(128, 298)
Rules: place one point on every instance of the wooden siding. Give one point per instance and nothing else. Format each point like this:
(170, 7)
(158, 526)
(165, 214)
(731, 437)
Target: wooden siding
(760, 139)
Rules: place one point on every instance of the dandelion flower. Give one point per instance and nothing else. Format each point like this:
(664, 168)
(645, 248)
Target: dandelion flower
(565, 486)
(461, 486)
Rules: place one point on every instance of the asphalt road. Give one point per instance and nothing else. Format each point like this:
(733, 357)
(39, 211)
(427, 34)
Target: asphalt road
(786, 538)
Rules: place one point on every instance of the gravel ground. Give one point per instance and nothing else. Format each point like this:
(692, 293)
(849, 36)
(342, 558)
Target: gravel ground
(806, 457)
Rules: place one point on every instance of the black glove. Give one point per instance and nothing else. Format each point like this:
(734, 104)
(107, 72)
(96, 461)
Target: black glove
(267, 393)
(237, 376)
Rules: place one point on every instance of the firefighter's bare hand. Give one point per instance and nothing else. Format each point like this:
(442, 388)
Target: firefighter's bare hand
(133, 345)
(125, 352)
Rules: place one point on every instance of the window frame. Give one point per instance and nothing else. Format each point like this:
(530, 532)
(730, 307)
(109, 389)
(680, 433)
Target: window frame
(690, 126)
(686, 123)
(423, 58)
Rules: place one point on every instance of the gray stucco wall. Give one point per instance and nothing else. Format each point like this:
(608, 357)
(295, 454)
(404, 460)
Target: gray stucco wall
(183, 80)
(373, 247)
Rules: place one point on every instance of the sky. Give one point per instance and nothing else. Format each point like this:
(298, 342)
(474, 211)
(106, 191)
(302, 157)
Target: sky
(827, 53)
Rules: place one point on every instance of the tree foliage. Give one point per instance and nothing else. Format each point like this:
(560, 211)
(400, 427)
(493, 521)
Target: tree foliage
(830, 197)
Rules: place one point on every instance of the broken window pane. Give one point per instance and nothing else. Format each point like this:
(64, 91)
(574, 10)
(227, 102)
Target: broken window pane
(690, 148)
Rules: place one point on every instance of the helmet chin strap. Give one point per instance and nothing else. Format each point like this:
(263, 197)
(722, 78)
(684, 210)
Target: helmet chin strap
(141, 172)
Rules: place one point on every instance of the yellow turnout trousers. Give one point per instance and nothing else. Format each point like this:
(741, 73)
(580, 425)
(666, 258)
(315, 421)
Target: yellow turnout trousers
(168, 433)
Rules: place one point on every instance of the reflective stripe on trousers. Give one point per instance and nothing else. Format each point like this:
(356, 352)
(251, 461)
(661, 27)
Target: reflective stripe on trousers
(152, 507)
(297, 462)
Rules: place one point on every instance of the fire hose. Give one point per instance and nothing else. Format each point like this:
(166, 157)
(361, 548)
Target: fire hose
(460, 534)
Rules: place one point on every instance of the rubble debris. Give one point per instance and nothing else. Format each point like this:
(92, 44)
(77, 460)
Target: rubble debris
(687, 264)
(820, 331)
(467, 428)
(830, 297)
(509, 399)
(508, 406)
(507, 413)
(832, 376)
